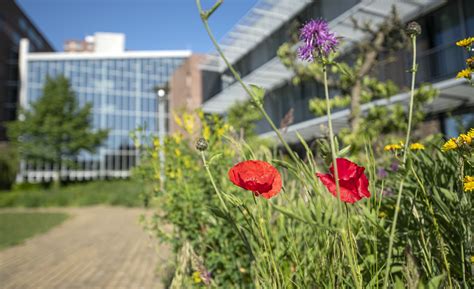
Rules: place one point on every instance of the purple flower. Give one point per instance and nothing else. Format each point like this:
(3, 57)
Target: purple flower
(316, 37)
(394, 166)
(382, 173)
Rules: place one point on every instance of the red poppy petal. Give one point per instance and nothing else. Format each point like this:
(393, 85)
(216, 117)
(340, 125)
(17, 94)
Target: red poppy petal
(363, 186)
(276, 188)
(346, 169)
(347, 195)
(257, 176)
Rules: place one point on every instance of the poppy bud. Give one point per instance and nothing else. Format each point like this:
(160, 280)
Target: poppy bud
(413, 29)
(201, 144)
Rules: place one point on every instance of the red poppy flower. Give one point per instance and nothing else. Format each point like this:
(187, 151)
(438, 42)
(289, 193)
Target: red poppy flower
(257, 176)
(353, 183)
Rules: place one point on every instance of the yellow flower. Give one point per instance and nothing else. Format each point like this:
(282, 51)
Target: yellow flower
(465, 73)
(470, 61)
(465, 42)
(177, 137)
(206, 132)
(154, 155)
(188, 122)
(177, 152)
(201, 114)
(156, 143)
(177, 120)
(450, 145)
(464, 139)
(470, 133)
(417, 146)
(392, 147)
(197, 277)
(468, 183)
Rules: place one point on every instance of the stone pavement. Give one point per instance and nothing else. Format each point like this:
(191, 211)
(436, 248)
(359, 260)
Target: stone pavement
(96, 248)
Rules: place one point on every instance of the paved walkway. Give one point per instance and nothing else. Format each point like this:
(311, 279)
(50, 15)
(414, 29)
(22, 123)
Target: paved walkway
(97, 247)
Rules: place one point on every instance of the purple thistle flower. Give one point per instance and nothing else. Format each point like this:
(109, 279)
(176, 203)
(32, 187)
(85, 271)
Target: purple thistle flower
(316, 37)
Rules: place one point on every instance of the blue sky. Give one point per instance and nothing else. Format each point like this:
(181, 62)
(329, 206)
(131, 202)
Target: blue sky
(147, 24)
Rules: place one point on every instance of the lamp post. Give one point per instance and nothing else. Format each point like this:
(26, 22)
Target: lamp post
(161, 92)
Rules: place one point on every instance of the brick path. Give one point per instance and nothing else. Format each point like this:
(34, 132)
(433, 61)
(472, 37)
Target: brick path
(97, 247)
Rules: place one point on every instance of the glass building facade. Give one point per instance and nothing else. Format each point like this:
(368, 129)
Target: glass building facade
(122, 91)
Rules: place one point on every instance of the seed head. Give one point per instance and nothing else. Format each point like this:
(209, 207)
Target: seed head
(413, 29)
(201, 144)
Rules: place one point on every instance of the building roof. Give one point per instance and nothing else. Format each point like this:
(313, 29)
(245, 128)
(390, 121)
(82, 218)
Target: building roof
(453, 93)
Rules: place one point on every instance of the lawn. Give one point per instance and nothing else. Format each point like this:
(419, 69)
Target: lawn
(16, 227)
(116, 193)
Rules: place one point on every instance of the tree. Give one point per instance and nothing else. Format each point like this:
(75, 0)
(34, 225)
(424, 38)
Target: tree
(55, 129)
(242, 116)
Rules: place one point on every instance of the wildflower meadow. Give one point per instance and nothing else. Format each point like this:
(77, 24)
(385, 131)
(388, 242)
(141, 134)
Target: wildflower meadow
(246, 212)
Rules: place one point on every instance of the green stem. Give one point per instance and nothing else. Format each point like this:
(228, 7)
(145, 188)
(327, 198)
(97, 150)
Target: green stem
(204, 18)
(405, 153)
(331, 134)
(218, 192)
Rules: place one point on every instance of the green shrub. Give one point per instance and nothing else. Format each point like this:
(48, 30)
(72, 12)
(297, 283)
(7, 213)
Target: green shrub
(8, 166)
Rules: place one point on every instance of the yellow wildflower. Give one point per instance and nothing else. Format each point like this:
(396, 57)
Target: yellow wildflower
(464, 139)
(156, 143)
(177, 152)
(188, 123)
(177, 120)
(392, 147)
(154, 155)
(465, 73)
(468, 183)
(465, 42)
(470, 133)
(470, 61)
(201, 114)
(417, 146)
(450, 145)
(197, 277)
(177, 137)
(206, 132)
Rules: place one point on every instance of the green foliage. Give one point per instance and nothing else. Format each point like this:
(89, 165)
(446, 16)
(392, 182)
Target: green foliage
(242, 116)
(435, 212)
(186, 200)
(384, 119)
(8, 166)
(16, 227)
(116, 193)
(55, 129)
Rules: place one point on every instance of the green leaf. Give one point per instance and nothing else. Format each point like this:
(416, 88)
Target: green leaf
(344, 151)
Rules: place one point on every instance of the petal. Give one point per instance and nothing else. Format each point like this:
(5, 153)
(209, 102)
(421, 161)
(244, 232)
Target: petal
(276, 188)
(363, 186)
(346, 169)
(347, 195)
